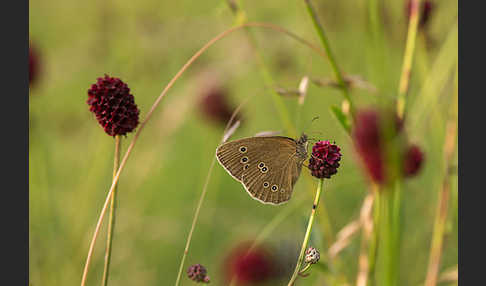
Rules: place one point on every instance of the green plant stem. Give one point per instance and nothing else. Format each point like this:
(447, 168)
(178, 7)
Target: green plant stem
(408, 57)
(330, 55)
(194, 221)
(306, 267)
(111, 222)
(374, 243)
(444, 195)
(307, 233)
(396, 232)
(390, 234)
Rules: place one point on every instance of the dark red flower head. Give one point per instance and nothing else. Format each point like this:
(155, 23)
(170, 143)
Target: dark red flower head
(33, 65)
(214, 104)
(113, 105)
(324, 160)
(198, 273)
(249, 266)
(369, 143)
(425, 11)
(412, 161)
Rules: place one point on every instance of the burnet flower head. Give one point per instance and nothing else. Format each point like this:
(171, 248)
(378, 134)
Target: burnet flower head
(113, 105)
(413, 160)
(198, 273)
(324, 160)
(371, 144)
(214, 99)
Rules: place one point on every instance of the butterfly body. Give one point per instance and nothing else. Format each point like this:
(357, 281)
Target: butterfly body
(268, 166)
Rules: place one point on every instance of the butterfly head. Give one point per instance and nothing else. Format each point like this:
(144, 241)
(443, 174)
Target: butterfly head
(302, 146)
(303, 139)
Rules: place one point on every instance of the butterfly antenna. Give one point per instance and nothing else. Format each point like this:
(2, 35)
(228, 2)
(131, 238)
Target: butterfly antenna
(316, 132)
(308, 124)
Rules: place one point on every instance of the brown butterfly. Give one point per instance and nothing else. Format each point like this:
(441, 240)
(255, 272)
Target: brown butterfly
(268, 167)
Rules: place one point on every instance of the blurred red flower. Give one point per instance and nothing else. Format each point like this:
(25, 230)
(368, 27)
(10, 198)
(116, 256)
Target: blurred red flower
(368, 141)
(412, 161)
(248, 266)
(33, 65)
(426, 8)
(371, 145)
(214, 104)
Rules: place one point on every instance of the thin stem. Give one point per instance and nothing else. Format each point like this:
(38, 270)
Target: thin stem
(373, 247)
(368, 243)
(408, 57)
(330, 55)
(396, 231)
(307, 233)
(111, 223)
(226, 133)
(305, 268)
(444, 197)
(194, 221)
(154, 106)
(438, 235)
(390, 201)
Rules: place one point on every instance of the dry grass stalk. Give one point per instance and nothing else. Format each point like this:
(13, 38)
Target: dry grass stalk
(366, 221)
(343, 238)
(450, 275)
(439, 226)
(352, 81)
(345, 235)
(304, 84)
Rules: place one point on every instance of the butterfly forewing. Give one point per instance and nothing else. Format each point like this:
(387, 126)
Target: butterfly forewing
(268, 167)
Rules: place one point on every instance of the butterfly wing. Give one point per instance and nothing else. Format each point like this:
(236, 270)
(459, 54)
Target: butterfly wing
(231, 154)
(276, 185)
(268, 167)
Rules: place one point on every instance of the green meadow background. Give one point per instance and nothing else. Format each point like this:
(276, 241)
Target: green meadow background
(145, 43)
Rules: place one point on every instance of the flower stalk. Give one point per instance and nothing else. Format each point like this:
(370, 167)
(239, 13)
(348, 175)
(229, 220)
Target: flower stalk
(389, 240)
(437, 242)
(111, 222)
(307, 233)
(408, 57)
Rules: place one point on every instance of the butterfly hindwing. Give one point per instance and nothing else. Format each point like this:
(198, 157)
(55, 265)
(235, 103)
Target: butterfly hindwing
(274, 186)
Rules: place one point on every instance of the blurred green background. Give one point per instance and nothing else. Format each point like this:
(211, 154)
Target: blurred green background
(145, 43)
